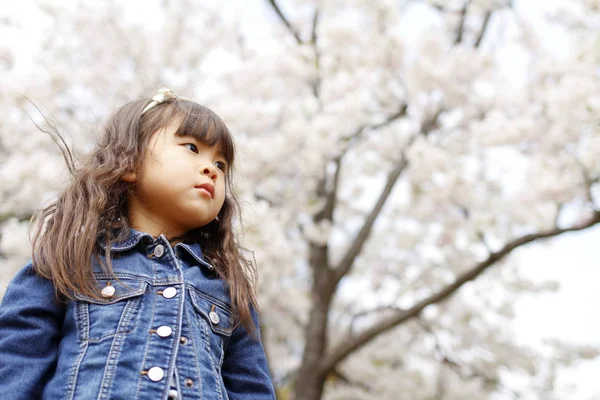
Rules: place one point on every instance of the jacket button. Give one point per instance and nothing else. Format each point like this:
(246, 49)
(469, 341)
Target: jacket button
(164, 331)
(159, 250)
(156, 374)
(188, 382)
(183, 340)
(169, 292)
(214, 317)
(108, 291)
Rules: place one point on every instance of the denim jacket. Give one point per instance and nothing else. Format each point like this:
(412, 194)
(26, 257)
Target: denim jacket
(167, 321)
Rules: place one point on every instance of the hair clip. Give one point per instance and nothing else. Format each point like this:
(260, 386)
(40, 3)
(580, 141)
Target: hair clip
(164, 94)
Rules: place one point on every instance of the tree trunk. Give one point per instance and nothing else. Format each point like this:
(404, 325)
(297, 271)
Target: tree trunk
(311, 379)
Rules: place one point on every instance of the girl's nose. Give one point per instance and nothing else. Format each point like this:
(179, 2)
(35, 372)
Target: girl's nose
(211, 171)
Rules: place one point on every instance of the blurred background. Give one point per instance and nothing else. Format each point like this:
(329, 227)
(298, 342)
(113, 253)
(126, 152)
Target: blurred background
(420, 178)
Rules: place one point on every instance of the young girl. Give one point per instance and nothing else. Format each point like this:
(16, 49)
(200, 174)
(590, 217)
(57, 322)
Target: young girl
(137, 288)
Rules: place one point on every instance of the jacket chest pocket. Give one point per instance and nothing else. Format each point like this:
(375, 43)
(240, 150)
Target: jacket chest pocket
(215, 323)
(115, 313)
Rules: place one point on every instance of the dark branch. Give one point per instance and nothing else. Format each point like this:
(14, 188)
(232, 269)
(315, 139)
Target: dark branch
(464, 371)
(314, 42)
(351, 344)
(327, 212)
(460, 30)
(346, 264)
(431, 124)
(293, 31)
(400, 113)
(371, 313)
(344, 267)
(336, 374)
(315, 24)
(484, 27)
(589, 184)
(279, 305)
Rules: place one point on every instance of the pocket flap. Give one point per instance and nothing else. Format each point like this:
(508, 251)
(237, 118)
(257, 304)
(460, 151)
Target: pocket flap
(122, 289)
(216, 314)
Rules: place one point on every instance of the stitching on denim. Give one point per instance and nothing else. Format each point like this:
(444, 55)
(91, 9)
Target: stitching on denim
(115, 299)
(207, 336)
(222, 354)
(129, 243)
(102, 275)
(81, 318)
(210, 298)
(180, 311)
(128, 315)
(217, 329)
(74, 374)
(226, 308)
(197, 257)
(195, 352)
(132, 306)
(82, 321)
(175, 350)
(141, 380)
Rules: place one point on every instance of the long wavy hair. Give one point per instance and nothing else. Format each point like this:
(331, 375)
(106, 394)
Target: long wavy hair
(94, 204)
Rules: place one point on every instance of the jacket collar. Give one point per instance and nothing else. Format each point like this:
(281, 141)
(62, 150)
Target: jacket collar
(134, 238)
(137, 237)
(194, 250)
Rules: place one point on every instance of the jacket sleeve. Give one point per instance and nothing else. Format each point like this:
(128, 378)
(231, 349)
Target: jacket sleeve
(245, 369)
(30, 324)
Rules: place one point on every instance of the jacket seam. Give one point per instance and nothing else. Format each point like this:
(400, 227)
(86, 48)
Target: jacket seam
(81, 312)
(144, 359)
(127, 317)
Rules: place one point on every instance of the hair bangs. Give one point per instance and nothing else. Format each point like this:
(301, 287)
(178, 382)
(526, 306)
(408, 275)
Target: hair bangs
(206, 126)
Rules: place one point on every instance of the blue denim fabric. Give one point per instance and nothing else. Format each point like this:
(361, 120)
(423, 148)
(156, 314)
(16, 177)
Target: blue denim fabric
(104, 349)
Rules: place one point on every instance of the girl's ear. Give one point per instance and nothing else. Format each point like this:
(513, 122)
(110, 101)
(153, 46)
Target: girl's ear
(130, 177)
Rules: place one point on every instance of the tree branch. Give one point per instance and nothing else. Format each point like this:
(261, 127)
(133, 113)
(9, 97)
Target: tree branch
(327, 212)
(293, 31)
(464, 371)
(484, 27)
(461, 25)
(589, 183)
(351, 344)
(371, 313)
(331, 195)
(314, 42)
(346, 264)
(336, 374)
(276, 303)
(400, 113)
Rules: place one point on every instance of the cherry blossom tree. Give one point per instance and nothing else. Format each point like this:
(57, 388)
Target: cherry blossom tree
(395, 158)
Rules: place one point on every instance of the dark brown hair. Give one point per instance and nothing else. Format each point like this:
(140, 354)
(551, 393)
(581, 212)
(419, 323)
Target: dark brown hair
(94, 203)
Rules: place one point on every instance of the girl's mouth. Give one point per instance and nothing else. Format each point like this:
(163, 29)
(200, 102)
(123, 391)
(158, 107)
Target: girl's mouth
(207, 187)
(206, 192)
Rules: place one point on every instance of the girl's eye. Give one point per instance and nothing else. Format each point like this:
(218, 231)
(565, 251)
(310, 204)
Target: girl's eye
(221, 165)
(192, 147)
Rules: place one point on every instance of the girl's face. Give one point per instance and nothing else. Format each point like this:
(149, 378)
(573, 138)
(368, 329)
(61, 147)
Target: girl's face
(182, 185)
